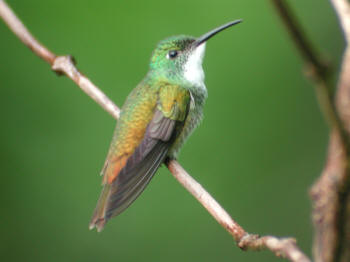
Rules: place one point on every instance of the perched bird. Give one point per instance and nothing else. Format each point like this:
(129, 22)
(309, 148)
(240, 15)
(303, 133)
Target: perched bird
(156, 119)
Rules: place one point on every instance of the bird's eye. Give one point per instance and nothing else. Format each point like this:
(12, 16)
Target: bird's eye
(172, 54)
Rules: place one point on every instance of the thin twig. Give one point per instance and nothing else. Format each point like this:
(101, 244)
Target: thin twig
(23, 34)
(343, 99)
(330, 194)
(318, 69)
(61, 65)
(342, 8)
(65, 65)
(306, 49)
(285, 247)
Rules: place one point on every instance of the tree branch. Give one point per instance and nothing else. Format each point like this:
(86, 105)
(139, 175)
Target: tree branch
(61, 65)
(331, 193)
(342, 8)
(284, 247)
(318, 70)
(304, 45)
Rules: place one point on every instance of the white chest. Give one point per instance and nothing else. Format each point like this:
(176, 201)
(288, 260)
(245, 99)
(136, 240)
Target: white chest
(193, 70)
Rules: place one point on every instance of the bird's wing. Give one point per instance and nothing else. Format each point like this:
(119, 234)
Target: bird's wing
(127, 175)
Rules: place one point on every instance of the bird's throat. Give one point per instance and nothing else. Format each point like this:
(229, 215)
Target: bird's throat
(193, 70)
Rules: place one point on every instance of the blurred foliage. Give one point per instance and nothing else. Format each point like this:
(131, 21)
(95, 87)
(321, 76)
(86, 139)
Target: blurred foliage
(261, 145)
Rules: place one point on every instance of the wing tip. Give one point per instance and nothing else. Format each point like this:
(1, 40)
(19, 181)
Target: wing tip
(99, 223)
(99, 218)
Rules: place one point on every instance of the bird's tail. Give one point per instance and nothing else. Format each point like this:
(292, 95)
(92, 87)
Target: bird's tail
(98, 219)
(130, 182)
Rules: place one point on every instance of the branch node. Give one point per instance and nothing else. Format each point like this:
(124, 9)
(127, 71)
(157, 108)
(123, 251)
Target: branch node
(248, 241)
(65, 65)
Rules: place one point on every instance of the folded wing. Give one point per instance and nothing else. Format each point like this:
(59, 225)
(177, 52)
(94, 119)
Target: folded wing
(138, 169)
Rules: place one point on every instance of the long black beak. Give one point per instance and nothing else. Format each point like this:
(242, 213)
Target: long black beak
(213, 32)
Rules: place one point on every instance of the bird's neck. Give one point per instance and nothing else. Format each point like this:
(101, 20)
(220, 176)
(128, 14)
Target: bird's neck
(190, 80)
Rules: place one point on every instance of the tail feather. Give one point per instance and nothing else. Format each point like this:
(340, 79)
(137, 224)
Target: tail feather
(98, 218)
(117, 196)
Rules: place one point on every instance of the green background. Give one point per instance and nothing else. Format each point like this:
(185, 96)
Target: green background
(261, 145)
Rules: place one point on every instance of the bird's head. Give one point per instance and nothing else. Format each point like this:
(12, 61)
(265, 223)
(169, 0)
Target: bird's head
(181, 57)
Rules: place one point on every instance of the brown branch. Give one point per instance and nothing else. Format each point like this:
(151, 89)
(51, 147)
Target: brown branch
(305, 47)
(343, 98)
(284, 247)
(23, 34)
(331, 193)
(342, 8)
(65, 65)
(61, 65)
(318, 69)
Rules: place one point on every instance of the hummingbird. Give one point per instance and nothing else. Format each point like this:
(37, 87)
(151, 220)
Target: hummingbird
(155, 121)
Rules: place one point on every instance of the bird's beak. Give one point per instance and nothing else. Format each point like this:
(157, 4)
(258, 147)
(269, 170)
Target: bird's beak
(200, 40)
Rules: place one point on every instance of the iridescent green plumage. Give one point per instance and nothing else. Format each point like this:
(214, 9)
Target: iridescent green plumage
(156, 119)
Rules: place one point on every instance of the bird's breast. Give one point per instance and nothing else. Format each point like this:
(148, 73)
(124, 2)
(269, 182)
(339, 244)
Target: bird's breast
(194, 117)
